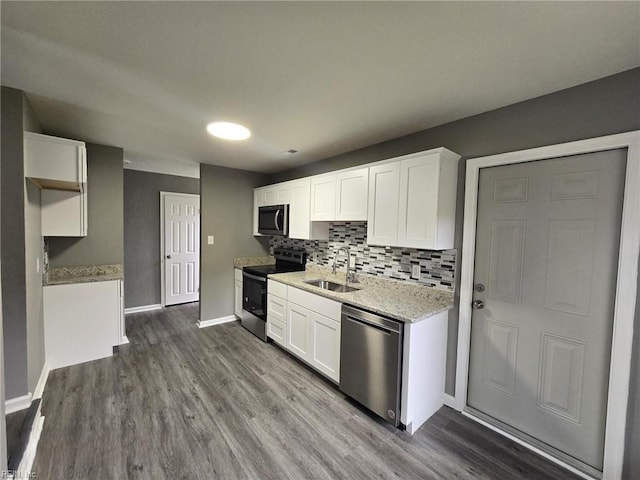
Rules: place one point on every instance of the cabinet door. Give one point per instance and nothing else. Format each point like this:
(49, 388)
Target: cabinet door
(237, 299)
(54, 162)
(418, 207)
(81, 322)
(299, 224)
(382, 216)
(282, 193)
(299, 331)
(277, 319)
(64, 213)
(323, 198)
(257, 198)
(351, 194)
(325, 339)
(269, 196)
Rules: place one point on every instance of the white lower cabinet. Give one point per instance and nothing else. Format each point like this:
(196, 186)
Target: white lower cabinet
(307, 325)
(277, 319)
(237, 297)
(82, 322)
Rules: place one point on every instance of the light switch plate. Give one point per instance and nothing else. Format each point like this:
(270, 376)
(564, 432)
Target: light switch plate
(210, 239)
(415, 272)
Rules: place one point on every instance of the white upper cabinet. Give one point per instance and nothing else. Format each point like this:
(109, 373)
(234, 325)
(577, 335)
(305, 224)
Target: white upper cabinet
(384, 195)
(300, 225)
(64, 214)
(277, 194)
(340, 196)
(323, 198)
(56, 163)
(412, 201)
(59, 167)
(351, 194)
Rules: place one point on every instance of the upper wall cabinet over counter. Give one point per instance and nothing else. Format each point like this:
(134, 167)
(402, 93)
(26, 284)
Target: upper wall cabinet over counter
(55, 163)
(408, 201)
(412, 201)
(59, 167)
(340, 196)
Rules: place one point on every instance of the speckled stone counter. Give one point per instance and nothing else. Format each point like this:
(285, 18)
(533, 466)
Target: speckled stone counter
(402, 301)
(82, 274)
(252, 261)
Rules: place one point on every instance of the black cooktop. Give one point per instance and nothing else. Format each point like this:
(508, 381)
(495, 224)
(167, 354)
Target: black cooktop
(287, 260)
(264, 270)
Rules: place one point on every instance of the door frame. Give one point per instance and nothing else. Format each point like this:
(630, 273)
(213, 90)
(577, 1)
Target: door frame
(163, 195)
(626, 286)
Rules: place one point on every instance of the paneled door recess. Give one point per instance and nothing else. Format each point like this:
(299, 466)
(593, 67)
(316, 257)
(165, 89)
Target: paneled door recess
(181, 248)
(547, 241)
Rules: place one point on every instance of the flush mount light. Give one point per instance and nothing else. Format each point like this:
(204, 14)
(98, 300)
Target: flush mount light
(228, 131)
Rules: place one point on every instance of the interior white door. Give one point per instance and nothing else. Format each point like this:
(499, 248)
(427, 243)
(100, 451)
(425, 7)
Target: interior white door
(181, 248)
(548, 235)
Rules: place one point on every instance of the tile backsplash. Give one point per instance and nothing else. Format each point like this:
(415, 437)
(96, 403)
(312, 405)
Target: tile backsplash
(436, 267)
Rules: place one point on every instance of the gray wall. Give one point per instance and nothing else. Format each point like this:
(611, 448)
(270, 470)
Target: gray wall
(104, 242)
(12, 244)
(33, 275)
(606, 106)
(226, 211)
(142, 232)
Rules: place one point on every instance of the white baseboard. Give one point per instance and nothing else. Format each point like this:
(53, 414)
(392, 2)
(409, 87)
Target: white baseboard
(124, 340)
(143, 308)
(29, 455)
(449, 401)
(216, 321)
(16, 404)
(42, 381)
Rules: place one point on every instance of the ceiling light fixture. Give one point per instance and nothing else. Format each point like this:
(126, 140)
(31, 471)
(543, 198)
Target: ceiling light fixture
(228, 131)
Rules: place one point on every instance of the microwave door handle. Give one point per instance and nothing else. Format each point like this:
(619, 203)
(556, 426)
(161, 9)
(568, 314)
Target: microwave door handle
(276, 219)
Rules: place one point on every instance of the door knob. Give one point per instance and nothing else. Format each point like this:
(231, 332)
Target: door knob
(477, 304)
(169, 257)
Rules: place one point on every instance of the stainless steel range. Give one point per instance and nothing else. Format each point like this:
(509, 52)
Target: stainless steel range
(254, 288)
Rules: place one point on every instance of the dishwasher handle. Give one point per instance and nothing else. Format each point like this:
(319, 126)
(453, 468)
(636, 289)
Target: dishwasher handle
(372, 319)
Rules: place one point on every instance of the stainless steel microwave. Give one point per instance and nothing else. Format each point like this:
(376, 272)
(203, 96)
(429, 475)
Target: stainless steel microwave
(273, 220)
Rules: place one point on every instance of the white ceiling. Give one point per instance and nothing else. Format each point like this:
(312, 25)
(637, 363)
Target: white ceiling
(320, 77)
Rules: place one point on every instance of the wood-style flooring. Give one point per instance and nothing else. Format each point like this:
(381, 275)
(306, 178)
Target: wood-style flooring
(217, 403)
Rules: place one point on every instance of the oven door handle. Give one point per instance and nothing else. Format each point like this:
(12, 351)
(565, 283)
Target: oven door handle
(254, 277)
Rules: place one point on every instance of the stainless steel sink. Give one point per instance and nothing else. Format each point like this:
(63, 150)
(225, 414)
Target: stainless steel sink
(332, 286)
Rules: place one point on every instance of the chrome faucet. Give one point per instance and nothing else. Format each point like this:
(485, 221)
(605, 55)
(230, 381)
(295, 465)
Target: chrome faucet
(351, 275)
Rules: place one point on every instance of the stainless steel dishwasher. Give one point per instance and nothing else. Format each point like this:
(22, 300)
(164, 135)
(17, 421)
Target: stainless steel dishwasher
(371, 361)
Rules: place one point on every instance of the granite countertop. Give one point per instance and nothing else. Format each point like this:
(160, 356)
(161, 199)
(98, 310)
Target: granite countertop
(403, 301)
(82, 274)
(252, 261)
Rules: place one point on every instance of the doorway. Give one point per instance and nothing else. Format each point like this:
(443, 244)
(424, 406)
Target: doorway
(179, 247)
(548, 289)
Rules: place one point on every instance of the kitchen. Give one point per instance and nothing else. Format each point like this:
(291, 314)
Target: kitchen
(556, 118)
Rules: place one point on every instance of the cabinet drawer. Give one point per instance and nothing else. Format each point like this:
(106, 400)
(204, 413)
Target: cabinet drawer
(276, 288)
(238, 274)
(277, 331)
(316, 303)
(276, 308)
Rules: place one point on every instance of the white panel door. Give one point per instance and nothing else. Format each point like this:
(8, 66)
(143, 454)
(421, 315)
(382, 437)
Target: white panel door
(181, 248)
(299, 331)
(352, 188)
(384, 194)
(300, 195)
(325, 339)
(323, 198)
(418, 207)
(548, 234)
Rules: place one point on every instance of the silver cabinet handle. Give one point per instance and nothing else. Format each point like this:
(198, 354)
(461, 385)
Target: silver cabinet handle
(477, 304)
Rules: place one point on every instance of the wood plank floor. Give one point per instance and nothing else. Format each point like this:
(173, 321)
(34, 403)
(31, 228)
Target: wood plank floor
(216, 403)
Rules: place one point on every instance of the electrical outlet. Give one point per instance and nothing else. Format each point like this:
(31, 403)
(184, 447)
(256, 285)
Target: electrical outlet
(210, 239)
(415, 271)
